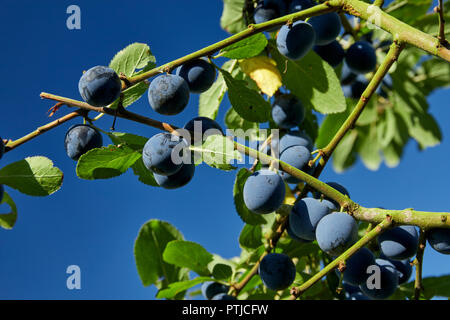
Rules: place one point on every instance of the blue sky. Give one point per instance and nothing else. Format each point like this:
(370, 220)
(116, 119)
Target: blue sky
(93, 224)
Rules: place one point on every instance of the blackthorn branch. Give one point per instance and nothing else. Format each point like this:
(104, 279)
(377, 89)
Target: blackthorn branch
(403, 34)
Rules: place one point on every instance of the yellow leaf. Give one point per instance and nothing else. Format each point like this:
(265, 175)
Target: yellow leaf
(289, 198)
(263, 70)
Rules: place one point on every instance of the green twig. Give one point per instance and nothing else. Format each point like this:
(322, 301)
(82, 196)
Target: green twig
(418, 262)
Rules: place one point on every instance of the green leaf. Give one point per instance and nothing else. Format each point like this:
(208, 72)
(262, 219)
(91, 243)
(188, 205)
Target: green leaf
(131, 95)
(408, 11)
(246, 48)
(241, 128)
(7, 220)
(344, 155)
(429, 24)
(210, 100)
(411, 104)
(222, 271)
(34, 176)
(145, 175)
(106, 162)
(132, 141)
(217, 151)
(434, 74)
(188, 254)
(232, 19)
(310, 125)
(422, 127)
(301, 250)
(251, 236)
(134, 57)
(246, 215)
(434, 287)
(369, 114)
(249, 104)
(148, 251)
(392, 154)
(330, 127)
(220, 268)
(178, 287)
(313, 81)
(368, 147)
(386, 129)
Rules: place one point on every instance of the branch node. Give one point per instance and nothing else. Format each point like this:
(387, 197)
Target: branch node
(125, 80)
(294, 291)
(342, 266)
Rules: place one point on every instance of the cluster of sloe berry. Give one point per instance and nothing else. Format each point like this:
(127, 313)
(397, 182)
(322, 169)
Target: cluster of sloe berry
(319, 34)
(168, 94)
(312, 219)
(317, 219)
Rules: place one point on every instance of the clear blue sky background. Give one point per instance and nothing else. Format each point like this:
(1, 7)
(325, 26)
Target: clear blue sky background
(93, 224)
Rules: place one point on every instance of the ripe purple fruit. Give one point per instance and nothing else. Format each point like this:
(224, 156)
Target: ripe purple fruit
(305, 217)
(333, 53)
(336, 186)
(264, 192)
(439, 239)
(404, 269)
(347, 75)
(205, 124)
(356, 267)
(358, 296)
(361, 57)
(327, 27)
(268, 10)
(277, 271)
(299, 5)
(336, 232)
(295, 138)
(100, 86)
(287, 111)
(356, 89)
(388, 281)
(399, 243)
(168, 94)
(199, 75)
(298, 157)
(295, 41)
(81, 138)
(211, 289)
(294, 236)
(223, 296)
(177, 180)
(158, 153)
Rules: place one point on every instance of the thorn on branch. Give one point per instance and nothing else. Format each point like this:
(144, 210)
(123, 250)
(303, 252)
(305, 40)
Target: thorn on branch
(54, 109)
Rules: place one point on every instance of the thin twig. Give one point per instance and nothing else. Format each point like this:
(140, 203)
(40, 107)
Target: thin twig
(418, 262)
(441, 36)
